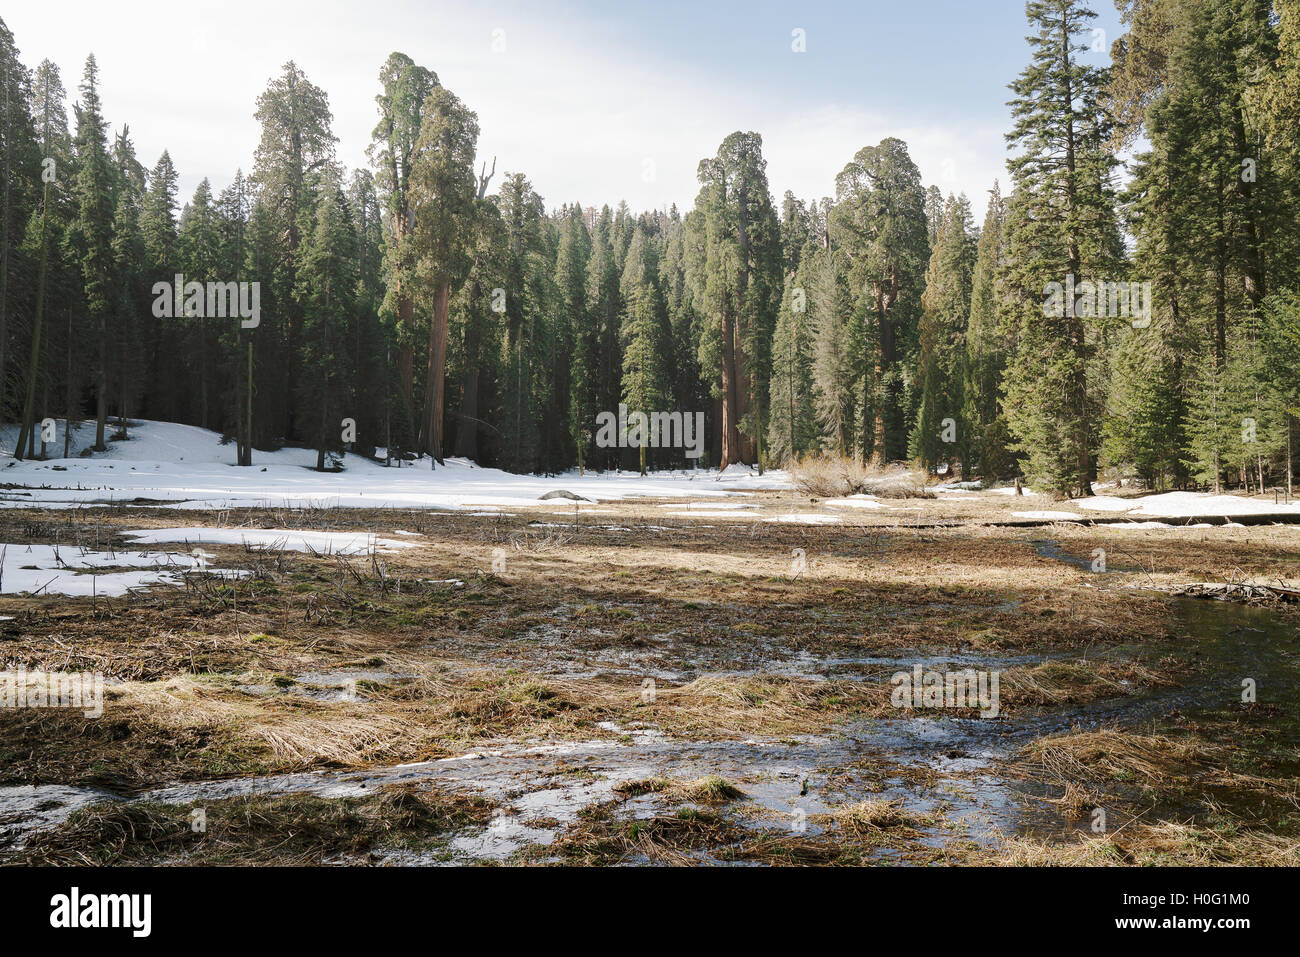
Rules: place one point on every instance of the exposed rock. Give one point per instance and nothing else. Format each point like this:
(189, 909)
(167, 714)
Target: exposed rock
(562, 493)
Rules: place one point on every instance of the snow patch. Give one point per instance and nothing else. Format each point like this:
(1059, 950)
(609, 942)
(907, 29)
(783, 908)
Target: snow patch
(274, 539)
(64, 570)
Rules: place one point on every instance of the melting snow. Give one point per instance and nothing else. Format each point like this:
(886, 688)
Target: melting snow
(183, 466)
(294, 540)
(1187, 505)
(64, 570)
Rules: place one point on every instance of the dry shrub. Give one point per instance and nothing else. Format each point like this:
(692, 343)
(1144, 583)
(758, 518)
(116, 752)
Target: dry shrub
(831, 476)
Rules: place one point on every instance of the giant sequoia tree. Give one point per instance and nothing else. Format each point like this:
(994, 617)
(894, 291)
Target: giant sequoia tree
(879, 222)
(406, 88)
(735, 270)
(443, 189)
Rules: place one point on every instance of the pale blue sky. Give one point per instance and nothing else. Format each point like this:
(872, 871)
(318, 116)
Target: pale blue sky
(593, 101)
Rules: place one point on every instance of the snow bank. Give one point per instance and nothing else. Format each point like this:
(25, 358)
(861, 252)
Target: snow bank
(1186, 505)
(188, 467)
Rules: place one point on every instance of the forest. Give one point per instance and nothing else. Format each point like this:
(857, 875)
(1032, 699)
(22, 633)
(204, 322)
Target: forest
(429, 306)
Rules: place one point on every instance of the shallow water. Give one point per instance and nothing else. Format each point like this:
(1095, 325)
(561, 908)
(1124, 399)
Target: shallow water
(543, 786)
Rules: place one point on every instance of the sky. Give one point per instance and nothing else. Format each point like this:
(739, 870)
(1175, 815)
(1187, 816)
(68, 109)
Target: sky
(594, 102)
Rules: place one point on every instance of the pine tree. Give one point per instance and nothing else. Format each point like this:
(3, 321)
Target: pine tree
(834, 369)
(45, 243)
(1281, 342)
(688, 387)
(478, 331)
(572, 257)
(295, 151)
(130, 294)
(946, 304)
(934, 210)
(20, 188)
(791, 427)
(92, 232)
(645, 386)
(327, 273)
(232, 214)
(199, 241)
(986, 350)
(600, 355)
(406, 89)
(1060, 228)
(367, 343)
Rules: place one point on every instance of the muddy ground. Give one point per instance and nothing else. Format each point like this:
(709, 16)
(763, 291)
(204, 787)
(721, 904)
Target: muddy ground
(650, 682)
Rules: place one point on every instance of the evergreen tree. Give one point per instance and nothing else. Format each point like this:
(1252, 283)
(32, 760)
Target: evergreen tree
(734, 267)
(834, 369)
(131, 297)
(478, 330)
(792, 421)
(1060, 228)
(327, 273)
(987, 349)
(443, 189)
(406, 89)
(572, 257)
(296, 151)
(200, 254)
(946, 304)
(879, 222)
(20, 188)
(600, 359)
(92, 233)
(645, 386)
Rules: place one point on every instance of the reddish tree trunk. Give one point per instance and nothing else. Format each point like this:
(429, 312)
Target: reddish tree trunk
(434, 393)
(731, 451)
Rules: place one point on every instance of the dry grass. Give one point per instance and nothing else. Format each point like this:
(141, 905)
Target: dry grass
(1162, 844)
(294, 829)
(1075, 682)
(877, 814)
(828, 476)
(712, 789)
(1152, 761)
(487, 662)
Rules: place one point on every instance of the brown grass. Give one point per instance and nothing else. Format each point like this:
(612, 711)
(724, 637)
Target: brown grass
(1162, 844)
(828, 476)
(1149, 760)
(295, 829)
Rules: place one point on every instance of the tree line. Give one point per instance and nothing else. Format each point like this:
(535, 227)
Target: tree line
(405, 310)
